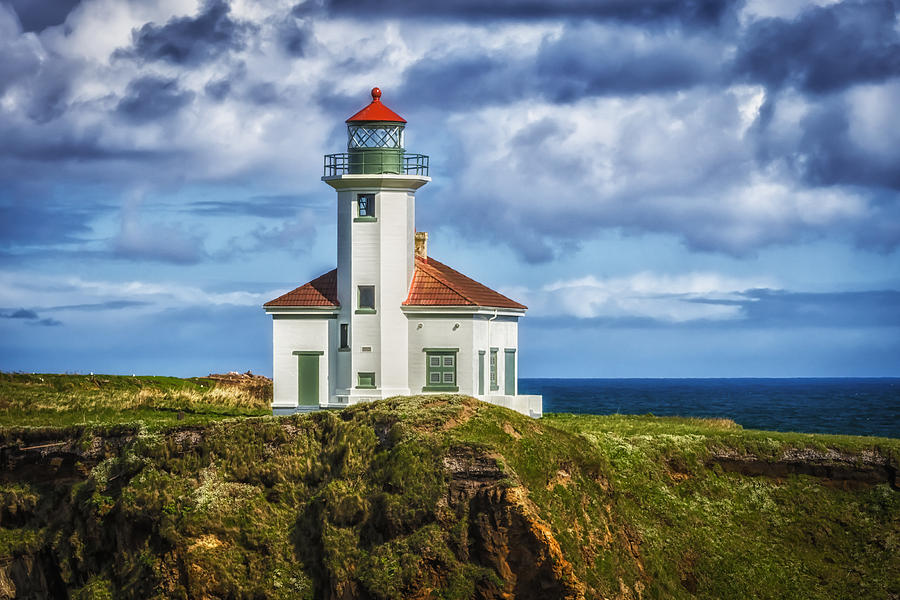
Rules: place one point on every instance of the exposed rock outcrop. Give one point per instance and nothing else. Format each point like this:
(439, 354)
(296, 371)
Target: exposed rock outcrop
(505, 532)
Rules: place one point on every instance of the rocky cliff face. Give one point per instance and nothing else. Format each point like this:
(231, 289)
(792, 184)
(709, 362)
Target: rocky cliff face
(428, 497)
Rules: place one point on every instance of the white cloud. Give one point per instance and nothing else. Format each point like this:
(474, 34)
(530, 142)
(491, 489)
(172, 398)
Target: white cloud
(40, 292)
(646, 295)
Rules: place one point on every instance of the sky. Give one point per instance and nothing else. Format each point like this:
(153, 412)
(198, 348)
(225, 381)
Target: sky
(698, 188)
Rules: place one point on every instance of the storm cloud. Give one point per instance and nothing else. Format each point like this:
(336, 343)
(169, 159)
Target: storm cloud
(190, 40)
(150, 98)
(709, 132)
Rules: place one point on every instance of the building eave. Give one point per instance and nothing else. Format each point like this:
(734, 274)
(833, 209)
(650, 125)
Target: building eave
(320, 311)
(350, 181)
(462, 310)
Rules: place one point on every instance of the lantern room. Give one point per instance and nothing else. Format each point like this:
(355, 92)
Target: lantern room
(375, 145)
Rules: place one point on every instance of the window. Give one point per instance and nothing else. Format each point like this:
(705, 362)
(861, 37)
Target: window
(345, 337)
(365, 206)
(481, 372)
(440, 369)
(382, 136)
(365, 381)
(494, 386)
(366, 299)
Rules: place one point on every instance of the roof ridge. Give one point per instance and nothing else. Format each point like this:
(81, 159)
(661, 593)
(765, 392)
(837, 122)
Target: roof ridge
(436, 274)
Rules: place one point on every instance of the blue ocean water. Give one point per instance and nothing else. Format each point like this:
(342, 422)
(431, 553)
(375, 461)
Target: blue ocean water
(854, 406)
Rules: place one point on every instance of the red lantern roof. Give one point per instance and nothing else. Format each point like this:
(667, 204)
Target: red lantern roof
(376, 111)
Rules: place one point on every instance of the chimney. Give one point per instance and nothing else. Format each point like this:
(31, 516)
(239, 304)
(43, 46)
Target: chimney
(421, 244)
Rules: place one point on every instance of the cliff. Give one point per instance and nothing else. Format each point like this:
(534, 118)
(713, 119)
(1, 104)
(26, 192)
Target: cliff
(446, 497)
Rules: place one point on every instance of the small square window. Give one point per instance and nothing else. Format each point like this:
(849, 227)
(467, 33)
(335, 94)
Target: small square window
(449, 377)
(448, 361)
(435, 361)
(434, 377)
(365, 380)
(367, 296)
(365, 205)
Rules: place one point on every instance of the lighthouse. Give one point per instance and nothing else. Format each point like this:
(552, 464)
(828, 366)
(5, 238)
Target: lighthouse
(389, 320)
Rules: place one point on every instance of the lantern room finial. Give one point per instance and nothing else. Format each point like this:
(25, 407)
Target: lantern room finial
(376, 94)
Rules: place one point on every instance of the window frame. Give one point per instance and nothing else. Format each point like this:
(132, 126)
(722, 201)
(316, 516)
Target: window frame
(344, 337)
(494, 378)
(365, 310)
(441, 370)
(367, 376)
(371, 215)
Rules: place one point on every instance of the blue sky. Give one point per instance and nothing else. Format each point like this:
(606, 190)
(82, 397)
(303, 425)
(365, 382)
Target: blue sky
(676, 189)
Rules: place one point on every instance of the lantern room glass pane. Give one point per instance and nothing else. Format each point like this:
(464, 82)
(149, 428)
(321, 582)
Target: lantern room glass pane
(380, 136)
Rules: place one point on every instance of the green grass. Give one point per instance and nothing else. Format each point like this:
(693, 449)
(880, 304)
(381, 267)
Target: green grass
(724, 535)
(45, 400)
(355, 503)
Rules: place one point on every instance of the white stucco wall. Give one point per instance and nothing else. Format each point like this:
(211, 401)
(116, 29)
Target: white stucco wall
(501, 333)
(397, 248)
(440, 332)
(292, 333)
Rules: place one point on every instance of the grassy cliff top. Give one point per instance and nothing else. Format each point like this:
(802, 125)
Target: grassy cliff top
(53, 400)
(448, 497)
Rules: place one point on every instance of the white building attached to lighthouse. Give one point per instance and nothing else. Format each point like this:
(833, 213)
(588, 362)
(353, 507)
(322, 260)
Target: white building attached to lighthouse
(390, 320)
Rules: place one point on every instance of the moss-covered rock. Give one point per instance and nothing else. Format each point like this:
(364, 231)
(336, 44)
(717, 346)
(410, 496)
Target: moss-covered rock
(447, 497)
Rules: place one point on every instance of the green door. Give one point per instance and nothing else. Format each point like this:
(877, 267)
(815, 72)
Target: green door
(481, 372)
(509, 384)
(308, 376)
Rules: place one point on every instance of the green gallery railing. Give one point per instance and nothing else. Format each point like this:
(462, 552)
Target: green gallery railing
(377, 162)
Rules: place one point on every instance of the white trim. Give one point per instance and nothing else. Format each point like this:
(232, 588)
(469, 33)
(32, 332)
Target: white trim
(463, 310)
(322, 311)
(352, 182)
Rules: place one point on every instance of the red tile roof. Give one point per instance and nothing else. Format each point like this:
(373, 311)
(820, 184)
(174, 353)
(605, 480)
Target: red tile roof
(321, 291)
(436, 284)
(433, 284)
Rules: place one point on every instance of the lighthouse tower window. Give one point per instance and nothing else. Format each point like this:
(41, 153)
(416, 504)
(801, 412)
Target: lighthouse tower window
(366, 299)
(345, 337)
(365, 206)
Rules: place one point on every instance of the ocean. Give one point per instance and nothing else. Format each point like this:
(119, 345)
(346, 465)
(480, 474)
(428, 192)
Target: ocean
(845, 405)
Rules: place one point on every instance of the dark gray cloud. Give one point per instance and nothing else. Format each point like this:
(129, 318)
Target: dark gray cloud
(150, 98)
(263, 93)
(48, 322)
(277, 206)
(463, 82)
(824, 48)
(190, 40)
(99, 306)
(218, 89)
(827, 155)
(295, 37)
(583, 62)
(21, 313)
(695, 12)
(37, 15)
(29, 316)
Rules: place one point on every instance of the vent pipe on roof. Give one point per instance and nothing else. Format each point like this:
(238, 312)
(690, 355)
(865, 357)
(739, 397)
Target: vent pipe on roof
(421, 244)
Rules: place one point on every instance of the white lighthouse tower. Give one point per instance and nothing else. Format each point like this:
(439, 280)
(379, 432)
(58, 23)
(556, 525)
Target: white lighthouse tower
(376, 186)
(389, 320)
